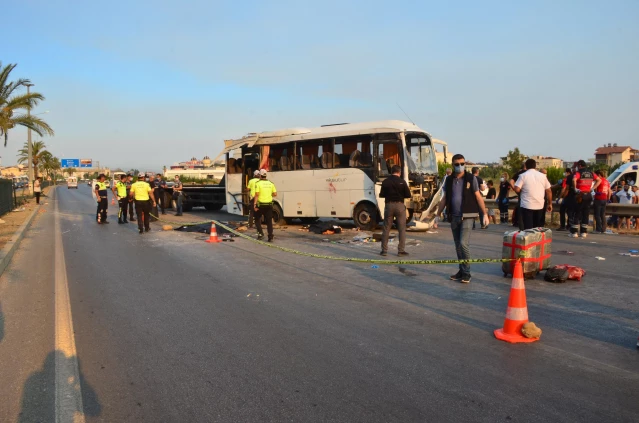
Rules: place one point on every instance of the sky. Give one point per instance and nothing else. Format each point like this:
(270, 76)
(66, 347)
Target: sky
(144, 84)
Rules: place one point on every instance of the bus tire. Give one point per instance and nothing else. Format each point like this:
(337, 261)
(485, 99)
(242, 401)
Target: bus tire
(309, 220)
(278, 215)
(365, 216)
(213, 207)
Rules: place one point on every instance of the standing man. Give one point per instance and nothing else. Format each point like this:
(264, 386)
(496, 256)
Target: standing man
(531, 186)
(158, 191)
(37, 189)
(602, 196)
(625, 196)
(251, 188)
(177, 195)
(120, 191)
(394, 190)
(463, 202)
(482, 188)
(502, 198)
(582, 181)
(100, 190)
(516, 215)
(129, 182)
(264, 193)
(566, 199)
(140, 192)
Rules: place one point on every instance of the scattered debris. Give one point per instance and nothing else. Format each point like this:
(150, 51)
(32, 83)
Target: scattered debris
(374, 266)
(241, 228)
(568, 253)
(600, 258)
(167, 227)
(19, 210)
(325, 228)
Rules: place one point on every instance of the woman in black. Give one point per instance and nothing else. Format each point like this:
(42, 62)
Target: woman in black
(502, 198)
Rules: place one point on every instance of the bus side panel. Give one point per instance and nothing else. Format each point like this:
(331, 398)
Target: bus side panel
(299, 204)
(234, 193)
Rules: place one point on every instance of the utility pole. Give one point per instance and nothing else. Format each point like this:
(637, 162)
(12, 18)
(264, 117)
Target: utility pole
(29, 147)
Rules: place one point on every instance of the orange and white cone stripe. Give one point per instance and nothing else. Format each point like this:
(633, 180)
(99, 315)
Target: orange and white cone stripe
(517, 311)
(213, 237)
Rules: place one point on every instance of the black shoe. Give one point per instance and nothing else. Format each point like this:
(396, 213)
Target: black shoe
(403, 253)
(178, 214)
(120, 222)
(132, 219)
(456, 277)
(147, 229)
(465, 279)
(260, 236)
(125, 221)
(561, 229)
(270, 240)
(383, 253)
(141, 231)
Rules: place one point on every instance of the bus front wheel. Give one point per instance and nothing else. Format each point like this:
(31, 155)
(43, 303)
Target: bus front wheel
(365, 216)
(278, 215)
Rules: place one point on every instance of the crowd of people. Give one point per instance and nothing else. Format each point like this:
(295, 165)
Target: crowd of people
(145, 194)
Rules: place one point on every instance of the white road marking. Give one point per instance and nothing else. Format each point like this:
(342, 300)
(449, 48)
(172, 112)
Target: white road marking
(68, 391)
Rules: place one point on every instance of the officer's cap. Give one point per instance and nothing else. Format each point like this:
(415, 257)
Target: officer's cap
(263, 172)
(141, 175)
(256, 173)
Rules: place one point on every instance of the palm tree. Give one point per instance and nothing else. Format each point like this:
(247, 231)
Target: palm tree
(49, 164)
(70, 170)
(13, 106)
(38, 149)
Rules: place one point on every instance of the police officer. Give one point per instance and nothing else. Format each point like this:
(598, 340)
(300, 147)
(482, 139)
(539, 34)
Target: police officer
(101, 191)
(579, 218)
(251, 188)
(158, 191)
(140, 192)
(263, 205)
(129, 182)
(178, 195)
(120, 191)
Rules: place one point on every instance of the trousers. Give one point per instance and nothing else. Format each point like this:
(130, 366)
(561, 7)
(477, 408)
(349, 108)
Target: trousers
(600, 215)
(392, 211)
(158, 193)
(267, 212)
(580, 214)
(101, 213)
(124, 204)
(461, 235)
(532, 218)
(143, 210)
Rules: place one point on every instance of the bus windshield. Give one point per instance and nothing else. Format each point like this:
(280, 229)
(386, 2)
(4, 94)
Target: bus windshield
(421, 153)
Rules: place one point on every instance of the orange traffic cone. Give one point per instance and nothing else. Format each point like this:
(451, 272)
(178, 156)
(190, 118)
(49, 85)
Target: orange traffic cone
(517, 312)
(213, 237)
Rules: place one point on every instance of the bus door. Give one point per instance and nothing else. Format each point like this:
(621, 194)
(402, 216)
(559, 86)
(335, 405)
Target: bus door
(250, 163)
(387, 153)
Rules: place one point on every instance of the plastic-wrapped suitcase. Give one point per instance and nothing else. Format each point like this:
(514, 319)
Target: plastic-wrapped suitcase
(533, 246)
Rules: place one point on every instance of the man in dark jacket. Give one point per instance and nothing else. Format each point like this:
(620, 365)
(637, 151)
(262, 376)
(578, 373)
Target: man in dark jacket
(463, 202)
(394, 190)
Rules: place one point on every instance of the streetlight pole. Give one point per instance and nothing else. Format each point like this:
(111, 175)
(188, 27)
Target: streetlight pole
(29, 147)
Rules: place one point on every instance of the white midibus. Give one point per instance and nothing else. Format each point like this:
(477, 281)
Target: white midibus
(116, 178)
(334, 171)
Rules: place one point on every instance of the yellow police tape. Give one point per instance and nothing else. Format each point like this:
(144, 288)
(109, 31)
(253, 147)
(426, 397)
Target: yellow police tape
(325, 257)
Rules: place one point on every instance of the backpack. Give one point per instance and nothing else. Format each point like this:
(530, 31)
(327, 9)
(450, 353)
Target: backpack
(557, 274)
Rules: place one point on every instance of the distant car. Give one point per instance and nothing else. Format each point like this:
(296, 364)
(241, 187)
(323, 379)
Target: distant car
(72, 182)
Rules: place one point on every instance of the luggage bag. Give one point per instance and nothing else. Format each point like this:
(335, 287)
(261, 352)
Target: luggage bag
(533, 246)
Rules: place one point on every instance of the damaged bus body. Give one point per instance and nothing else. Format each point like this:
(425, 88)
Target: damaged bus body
(334, 171)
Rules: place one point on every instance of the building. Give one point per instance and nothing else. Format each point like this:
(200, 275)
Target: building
(544, 162)
(11, 171)
(613, 154)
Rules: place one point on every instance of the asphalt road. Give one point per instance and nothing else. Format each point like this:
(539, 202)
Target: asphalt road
(171, 329)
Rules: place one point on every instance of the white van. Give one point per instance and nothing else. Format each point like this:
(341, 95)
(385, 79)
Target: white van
(72, 182)
(627, 172)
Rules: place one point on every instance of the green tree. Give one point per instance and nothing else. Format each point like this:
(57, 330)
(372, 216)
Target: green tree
(14, 106)
(70, 170)
(38, 149)
(49, 165)
(554, 174)
(441, 168)
(491, 173)
(513, 161)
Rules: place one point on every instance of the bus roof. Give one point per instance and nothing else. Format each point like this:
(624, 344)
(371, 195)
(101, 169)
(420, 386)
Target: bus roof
(328, 131)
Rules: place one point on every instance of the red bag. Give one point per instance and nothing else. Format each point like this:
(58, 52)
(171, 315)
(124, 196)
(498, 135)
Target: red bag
(574, 273)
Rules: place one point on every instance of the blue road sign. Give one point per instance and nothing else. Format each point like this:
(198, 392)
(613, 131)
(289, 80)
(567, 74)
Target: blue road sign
(70, 162)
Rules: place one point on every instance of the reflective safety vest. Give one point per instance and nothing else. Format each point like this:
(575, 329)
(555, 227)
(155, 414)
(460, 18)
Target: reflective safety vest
(265, 190)
(102, 188)
(251, 186)
(141, 190)
(584, 178)
(121, 189)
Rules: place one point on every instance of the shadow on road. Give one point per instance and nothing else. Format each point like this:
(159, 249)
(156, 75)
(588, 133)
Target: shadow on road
(1, 323)
(38, 398)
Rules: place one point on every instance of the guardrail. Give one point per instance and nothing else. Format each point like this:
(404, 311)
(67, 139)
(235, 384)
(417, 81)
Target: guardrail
(612, 209)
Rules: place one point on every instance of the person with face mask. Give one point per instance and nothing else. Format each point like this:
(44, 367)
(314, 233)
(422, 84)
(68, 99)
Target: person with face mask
(503, 199)
(462, 199)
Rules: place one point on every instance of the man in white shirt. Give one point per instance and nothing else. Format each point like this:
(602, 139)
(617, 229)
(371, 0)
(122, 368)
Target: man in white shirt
(534, 189)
